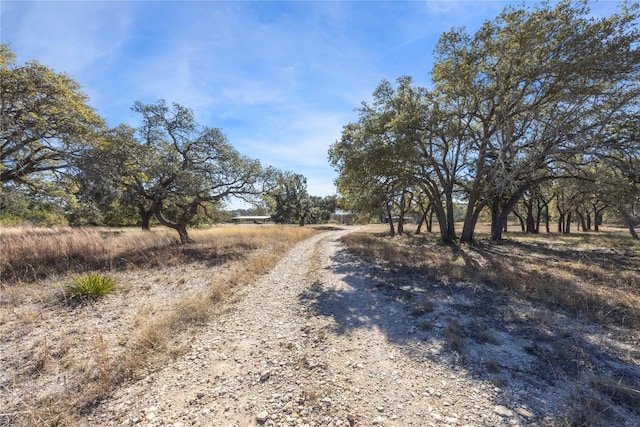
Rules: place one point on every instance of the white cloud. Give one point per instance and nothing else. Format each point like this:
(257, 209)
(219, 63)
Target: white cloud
(279, 78)
(71, 35)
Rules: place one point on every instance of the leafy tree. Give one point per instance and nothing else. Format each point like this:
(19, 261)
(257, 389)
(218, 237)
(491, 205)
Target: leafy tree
(189, 167)
(106, 177)
(371, 156)
(292, 201)
(323, 208)
(618, 172)
(440, 160)
(44, 121)
(172, 168)
(524, 101)
(408, 142)
(19, 205)
(540, 85)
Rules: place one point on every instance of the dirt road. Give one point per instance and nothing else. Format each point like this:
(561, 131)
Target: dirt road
(312, 343)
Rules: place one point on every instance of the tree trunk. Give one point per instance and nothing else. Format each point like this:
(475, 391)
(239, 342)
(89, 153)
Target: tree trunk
(145, 217)
(424, 212)
(560, 223)
(184, 236)
(495, 212)
(471, 219)
(420, 223)
(581, 220)
(391, 228)
(523, 227)
(180, 226)
(631, 226)
(547, 220)
(473, 211)
(540, 207)
(567, 224)
(441, 216)
(496, 234)
(597, 217)
(468, 228)
(531, 221)
(451, 220)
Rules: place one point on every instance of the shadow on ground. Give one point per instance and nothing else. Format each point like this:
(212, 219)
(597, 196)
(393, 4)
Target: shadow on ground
(574, 372)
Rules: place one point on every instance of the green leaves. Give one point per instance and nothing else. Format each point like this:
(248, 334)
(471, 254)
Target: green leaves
(292, 202)
(530, 97)
(44, 120)
(90, 286)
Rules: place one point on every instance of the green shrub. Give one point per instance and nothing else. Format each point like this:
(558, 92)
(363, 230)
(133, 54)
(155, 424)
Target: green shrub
(90, 286)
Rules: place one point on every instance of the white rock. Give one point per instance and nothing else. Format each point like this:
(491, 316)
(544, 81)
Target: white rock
(503, 411)
(524, 413)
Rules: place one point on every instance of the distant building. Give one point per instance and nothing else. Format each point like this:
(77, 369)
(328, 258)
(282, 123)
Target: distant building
(256, 219)
(343, 217)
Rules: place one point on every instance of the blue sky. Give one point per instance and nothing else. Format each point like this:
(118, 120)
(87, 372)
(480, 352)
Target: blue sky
(279, 78)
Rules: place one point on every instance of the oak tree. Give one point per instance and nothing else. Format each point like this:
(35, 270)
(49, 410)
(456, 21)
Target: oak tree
(45, 121)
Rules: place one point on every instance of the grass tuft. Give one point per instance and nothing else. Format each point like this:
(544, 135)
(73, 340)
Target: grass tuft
(90, 286)
(453, 334)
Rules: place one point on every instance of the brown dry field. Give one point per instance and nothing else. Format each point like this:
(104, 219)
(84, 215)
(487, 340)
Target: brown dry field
(594, 274)
(59, 357)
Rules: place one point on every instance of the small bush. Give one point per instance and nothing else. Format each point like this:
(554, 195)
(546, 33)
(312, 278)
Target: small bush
(90, 286)
(453, 334)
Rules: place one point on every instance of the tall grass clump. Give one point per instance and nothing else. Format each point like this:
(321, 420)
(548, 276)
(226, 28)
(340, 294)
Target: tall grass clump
(28, 254)
(90, 286)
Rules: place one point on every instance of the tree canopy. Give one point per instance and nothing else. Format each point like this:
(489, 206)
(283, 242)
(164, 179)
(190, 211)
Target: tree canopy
(171, 168)
(59, 163)
(45, 121)
(535, 95)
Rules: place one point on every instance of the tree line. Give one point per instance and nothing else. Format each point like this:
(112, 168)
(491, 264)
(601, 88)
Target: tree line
(59, 162)
(536, 111)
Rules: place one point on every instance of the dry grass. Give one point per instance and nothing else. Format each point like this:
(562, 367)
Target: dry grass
(595, 275)
(51, 381)
(421, 307)
(453, 335)
(592, 402)
(592, 277)
(29, 254)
